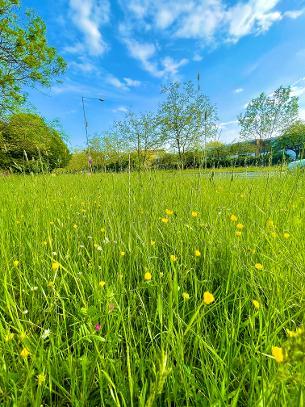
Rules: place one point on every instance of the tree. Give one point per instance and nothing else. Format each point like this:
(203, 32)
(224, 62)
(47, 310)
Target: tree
(26, 58)
(187, 117)
(140, 133)
(28, 143)
(293, 138)
(268, 116)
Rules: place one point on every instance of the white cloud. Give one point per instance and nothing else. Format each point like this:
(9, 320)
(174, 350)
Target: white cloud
(146, 53)
(227, 124)
(124, 84)
(88, 16)
(238, 90)
(132, 83)
(302, 113)
(171, 67)
(197, 58)
(207, 20)
(298, 87)
(83, 66)
(294, 13)
(120, 109)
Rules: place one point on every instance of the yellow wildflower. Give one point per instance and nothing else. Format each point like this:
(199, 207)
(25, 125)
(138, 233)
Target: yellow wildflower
(240, 226)
(273, 234)
(55, 265)
(164, 220)
(186, 296)
(238, 233)
(195, 214)
(102, 283)
(256, 304)
(173, 258)
(294, 334)
(270, 223)
(197, 253)
(278, 354)
(169, 212)
(147, 276)
(25, 353)
(152, 242)
(16, 263)
(9, 337)
(259, 266)
(233, 218)
(122, 254)
(41, 378)
(286, 235)
(208, 298)
(75, 226)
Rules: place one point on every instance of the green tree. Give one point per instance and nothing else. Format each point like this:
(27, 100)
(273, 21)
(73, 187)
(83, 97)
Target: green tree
(26, 58)
(293, 138)
(187, 117)
(268, 116)
(139, 133)
(28, 143)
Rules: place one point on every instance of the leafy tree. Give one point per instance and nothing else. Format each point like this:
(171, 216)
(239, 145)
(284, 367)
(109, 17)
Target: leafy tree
(293, 138)
(268, 116)
(140, 133)
(28, 143)
(26, 58)
(187, 117)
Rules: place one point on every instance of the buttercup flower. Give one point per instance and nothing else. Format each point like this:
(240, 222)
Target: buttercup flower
(16, 263)
(164, 220)
(122, 254)
(147, 276)
(102, 283)
(278, 354)
(197, 253)
(195, 214)
(208, 298)
(259, 266)
(25, 353)
(173, 258)
(240, 226)
(169, 212)
(256, 304)
(238, 233)
(55, 265)
(233, 218)
(286, 235)
(186, 296)
(41, 378)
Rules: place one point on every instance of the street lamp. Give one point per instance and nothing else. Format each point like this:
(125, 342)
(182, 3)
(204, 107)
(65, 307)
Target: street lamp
(86, 127)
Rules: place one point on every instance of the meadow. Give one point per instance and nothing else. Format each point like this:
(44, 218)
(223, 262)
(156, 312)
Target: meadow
(153, 289)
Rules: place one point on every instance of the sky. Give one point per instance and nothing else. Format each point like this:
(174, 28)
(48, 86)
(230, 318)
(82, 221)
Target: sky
(124, 50)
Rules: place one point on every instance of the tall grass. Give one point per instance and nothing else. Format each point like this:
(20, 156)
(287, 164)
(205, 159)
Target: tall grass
(73, 254)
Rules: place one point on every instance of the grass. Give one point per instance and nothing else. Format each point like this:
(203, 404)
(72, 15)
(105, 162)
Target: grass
(74, 251)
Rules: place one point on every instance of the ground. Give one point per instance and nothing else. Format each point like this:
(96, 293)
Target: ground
(163, 288)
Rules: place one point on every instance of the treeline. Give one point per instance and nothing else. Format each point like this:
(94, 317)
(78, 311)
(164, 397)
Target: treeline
(184, 132)
(218, 155)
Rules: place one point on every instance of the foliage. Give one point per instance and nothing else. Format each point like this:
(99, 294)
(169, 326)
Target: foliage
(26, 58)
(268, 116)
(187, 117)
(79, 325)
(139, 133)
(29, 144)
(293, 138)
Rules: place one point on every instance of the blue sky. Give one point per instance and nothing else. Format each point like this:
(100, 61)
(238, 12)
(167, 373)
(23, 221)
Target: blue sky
(124, 50)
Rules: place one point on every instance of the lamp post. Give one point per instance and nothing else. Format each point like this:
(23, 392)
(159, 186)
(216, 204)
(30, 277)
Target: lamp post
(86, 127)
